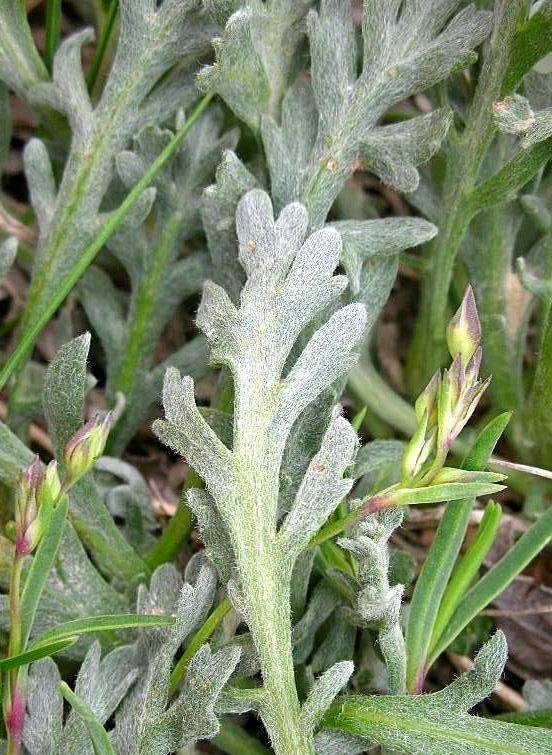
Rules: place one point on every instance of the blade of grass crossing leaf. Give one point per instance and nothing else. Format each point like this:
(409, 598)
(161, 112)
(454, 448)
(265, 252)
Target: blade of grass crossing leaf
(35, 654)
(105, 36)
(496, 580)
(200, 638)
(98, 735)
(41, 564)
(467, 568)
(94, 624)
(29, 337)
(53, 24)
(438, 566)
(541, 718)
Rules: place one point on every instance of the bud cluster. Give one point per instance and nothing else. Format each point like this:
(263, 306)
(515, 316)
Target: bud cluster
(449, 400)
(39, 488)
(37, 492)
(85, 447)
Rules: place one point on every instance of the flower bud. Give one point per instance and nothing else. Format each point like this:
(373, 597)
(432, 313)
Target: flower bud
(38, 489)
(85, 447)
(464, 330)
(426, 403)
(418, 450)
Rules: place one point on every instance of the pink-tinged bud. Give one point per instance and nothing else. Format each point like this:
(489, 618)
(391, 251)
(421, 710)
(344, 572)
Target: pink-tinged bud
(15, 717)
(38, 489)
(464, 330)
(418, 450)
(427, 400)
(473, 366)
(85, 447)
(456, 377)
(26, 506)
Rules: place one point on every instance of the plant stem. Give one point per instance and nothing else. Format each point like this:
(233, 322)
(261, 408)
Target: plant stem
(266, 598)
(464, 160)
(14, 648)
(540, 401)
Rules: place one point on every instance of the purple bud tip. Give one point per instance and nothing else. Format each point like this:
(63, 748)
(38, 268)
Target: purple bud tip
(464, 330)
(33, 475)
(15, 717)
(82, 433)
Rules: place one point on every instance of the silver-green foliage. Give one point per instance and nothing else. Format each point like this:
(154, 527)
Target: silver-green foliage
(433, 723)
(379, 603)
(328, 127)
(132, 681)
(160, 280)
(152, 40)
(148, 723)
(290, 281)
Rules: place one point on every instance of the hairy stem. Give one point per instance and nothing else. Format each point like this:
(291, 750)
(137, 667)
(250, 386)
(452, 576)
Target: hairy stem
(14, 648)
(464, 160)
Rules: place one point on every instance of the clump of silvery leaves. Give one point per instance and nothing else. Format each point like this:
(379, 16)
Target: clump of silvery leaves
(194, 179)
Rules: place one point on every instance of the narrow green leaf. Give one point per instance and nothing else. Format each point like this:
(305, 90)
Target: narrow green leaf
(36, 653)
(467, 568)
(101, 47)
(496, 580)
(504, 185)
(541, 718)
(93, 624)
(98, 735)
(53, 23)
(412, 725)
(438, 566)
(532, 41)
(42, 562)
(199, 639)
(450, 491)
(484, 445)
(28, 337)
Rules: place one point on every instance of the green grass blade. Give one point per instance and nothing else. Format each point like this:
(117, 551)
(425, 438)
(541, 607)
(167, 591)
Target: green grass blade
(42, 562)
(53, 25)
(200, 638)
(541, 718)
(35, 654)
(496, 580)
(467, 568)
(438, 566)
(93, 624)
(29, 336)
(98, 735)
(105, 36)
